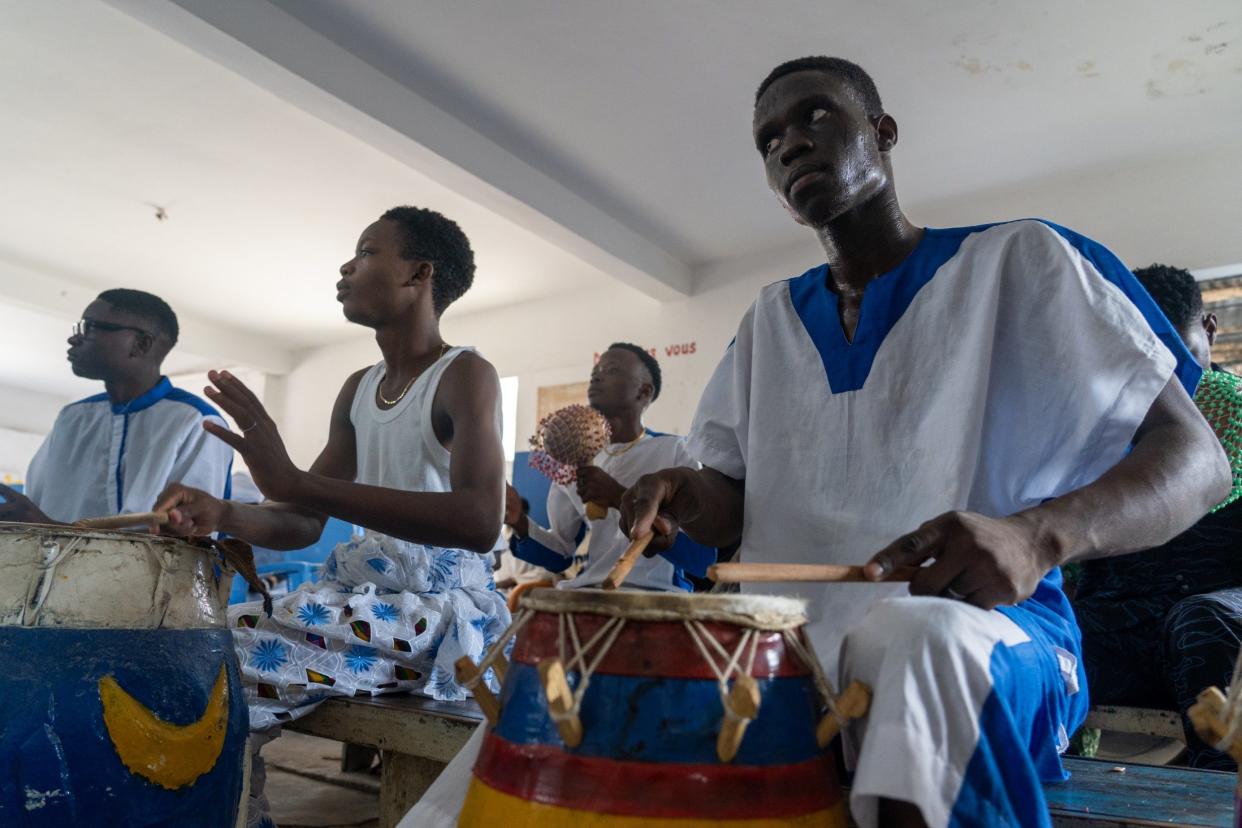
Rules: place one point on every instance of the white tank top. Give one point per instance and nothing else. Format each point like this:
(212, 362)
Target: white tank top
(397, 447)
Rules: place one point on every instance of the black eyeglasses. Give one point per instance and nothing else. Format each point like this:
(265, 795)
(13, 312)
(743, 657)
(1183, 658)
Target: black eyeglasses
(86, 327)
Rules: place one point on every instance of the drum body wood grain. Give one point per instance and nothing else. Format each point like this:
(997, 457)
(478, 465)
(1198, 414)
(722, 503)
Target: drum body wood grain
(121, 700)
(651, 718)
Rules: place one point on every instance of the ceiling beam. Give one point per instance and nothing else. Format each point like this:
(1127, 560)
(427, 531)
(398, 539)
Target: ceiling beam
(279, 53)
(214, 343)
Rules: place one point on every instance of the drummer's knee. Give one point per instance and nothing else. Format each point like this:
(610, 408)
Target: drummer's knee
(902, 629)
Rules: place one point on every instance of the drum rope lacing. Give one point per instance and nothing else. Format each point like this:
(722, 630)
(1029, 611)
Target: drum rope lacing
(53, 554)
(608, 632)
(805, 651)
(732, 666)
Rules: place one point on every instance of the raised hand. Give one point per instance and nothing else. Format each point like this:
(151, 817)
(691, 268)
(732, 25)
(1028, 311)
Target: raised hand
(18, 508)
(597, 486)
(983, 561)
(190, 511)
(259, 442)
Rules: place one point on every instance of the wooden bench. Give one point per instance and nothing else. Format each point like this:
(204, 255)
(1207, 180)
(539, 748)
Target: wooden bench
(416, 737)
(1098, 794)
(1163, 723)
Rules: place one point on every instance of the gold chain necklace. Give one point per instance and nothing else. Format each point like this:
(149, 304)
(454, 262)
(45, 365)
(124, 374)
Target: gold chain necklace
(618, 452)
(379, 389)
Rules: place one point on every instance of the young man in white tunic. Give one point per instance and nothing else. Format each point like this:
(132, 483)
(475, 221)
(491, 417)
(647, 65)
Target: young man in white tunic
(414, 455)
(624, 383)
(988, 402)
(115, 451)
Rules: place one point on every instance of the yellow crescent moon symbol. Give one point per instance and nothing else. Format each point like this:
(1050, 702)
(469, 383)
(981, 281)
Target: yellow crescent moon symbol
(167, 754)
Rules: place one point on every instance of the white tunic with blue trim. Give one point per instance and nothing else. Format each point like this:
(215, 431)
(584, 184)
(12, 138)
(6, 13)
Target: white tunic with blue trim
(996, 367)
(104, 459)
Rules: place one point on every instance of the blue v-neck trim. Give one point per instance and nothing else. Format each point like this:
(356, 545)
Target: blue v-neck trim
(888, 296)
(848, 364)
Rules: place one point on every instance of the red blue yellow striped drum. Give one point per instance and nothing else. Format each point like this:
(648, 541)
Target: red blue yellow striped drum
(120, 696)
(629, 709)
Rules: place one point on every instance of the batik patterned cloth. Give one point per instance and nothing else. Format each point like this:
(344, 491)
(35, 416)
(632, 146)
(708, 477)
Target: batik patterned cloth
(386, 616)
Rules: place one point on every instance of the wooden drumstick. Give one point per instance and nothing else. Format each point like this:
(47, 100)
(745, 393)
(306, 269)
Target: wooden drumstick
(621, 569)
(853, 703)
(122, 521)
(736, 573)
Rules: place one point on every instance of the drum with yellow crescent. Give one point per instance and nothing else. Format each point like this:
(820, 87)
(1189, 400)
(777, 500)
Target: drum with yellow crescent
(120, 696)
(644, 709)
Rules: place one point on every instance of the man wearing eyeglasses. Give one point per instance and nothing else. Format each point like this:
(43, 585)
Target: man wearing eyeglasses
(113, 452)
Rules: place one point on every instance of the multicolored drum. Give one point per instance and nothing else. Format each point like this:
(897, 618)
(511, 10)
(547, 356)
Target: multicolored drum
(121, 701)
(631, 708)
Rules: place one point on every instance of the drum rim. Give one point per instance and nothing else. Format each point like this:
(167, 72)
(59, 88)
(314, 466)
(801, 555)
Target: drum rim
(71, 531)
(765, 612)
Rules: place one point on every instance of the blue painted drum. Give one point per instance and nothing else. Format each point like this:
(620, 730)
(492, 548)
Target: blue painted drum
(120, 695)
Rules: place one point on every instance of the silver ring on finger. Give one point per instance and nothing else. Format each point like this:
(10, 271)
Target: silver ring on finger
(250, 427)
(953, 595)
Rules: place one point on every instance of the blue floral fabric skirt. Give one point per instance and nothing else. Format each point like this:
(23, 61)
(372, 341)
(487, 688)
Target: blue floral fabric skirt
(387, 616)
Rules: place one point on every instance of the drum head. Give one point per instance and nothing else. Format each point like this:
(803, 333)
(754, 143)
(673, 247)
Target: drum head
(73, 577)
(763, 612)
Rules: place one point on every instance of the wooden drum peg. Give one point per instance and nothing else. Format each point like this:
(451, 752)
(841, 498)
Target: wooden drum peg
(501, 665)
(741, 708)
(560, 701)
(851, 704)
(1209, 718)
(469, 675)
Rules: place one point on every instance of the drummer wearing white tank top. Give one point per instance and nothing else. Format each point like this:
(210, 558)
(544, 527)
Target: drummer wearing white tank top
(398, 283)
(414, 456)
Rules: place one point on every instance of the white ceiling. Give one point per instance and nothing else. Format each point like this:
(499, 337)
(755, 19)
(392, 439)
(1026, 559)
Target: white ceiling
(570, 140)
(645, 105)
(106, 118)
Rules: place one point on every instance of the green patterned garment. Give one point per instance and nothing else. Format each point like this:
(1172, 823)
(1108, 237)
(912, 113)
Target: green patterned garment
(1220, 399)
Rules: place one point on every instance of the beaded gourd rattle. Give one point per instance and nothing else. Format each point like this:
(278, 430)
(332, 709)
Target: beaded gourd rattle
(567, 439)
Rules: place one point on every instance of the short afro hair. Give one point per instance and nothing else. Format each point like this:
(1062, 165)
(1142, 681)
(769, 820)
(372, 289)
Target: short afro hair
(1175, 291)
(645, 357)
(854, 76)
(146, 305)
(428, 236)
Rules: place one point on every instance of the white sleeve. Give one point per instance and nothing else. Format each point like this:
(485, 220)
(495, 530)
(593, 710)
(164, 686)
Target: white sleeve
(565, 519)
(719, 434)
(36, 484)
(203, 461)
(682, 455)
(1075, 368)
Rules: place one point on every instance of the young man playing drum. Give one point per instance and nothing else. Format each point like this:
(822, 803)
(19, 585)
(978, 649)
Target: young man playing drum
(414, 455)
(114, 452)
(985, 402)
(624, 382)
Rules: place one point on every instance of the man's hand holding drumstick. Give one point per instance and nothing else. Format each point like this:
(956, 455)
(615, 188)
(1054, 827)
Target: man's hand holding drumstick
(982, 561)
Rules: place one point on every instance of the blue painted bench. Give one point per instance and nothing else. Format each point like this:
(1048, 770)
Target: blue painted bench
(1142, 795)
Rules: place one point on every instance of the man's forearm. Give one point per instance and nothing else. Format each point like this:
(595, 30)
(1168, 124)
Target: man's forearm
(1175, 472)
(709, 506)
(459, 519)
(272, 525)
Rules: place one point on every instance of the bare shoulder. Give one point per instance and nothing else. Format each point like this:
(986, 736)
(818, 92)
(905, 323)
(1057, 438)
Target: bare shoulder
(469, 375)
(345, 399)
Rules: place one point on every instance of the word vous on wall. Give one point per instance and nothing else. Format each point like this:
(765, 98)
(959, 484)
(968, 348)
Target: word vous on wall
(674, 350)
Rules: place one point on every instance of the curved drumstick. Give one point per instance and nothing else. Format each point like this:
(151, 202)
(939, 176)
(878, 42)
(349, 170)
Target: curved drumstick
(121, 521)
(621, 569)
(736, 573)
